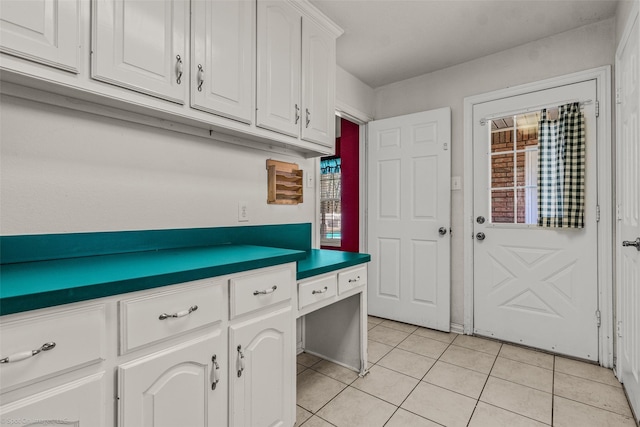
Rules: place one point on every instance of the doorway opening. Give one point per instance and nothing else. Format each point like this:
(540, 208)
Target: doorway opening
(340, 191)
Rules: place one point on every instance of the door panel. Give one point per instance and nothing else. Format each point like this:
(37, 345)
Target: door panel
(533, 286)
(42, 31)
(409, 200)
(628, 114)
(141, 45)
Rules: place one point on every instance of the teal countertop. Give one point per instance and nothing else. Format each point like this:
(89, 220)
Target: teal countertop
(320, 261)
(32, 285)
(38, 284)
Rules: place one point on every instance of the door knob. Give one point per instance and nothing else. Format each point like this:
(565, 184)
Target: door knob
(480, 236)
(635, 243)
(442, 231)
(480, 220)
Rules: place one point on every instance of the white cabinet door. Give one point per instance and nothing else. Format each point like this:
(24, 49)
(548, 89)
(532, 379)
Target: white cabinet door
(222, 65)
(261, 355)
(78, 403)
(174, 387)
(141, 45)
(45, 31)
(278, 91)
(318, 84)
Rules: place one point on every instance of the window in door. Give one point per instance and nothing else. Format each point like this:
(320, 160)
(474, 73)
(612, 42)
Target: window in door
(514, 168)
(330, 201)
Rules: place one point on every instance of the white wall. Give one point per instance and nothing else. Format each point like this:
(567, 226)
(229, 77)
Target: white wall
(67, 171)
(580, 49)
(353, 96)
(623, 12)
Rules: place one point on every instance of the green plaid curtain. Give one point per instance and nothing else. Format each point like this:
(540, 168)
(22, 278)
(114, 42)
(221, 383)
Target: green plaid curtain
(561, 164)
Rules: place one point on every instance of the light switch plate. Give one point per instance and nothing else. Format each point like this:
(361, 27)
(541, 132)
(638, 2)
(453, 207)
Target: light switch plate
(456, 183)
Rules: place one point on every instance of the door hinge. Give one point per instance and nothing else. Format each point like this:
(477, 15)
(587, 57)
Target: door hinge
(597, 108)
(597, 213)
(619, 328)
(618, 97)
(598, 318)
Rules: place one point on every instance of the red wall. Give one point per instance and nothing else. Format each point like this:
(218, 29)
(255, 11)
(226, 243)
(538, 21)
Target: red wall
(348, 149)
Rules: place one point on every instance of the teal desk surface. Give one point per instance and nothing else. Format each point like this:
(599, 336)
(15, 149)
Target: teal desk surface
(31, 285)
(319, 261)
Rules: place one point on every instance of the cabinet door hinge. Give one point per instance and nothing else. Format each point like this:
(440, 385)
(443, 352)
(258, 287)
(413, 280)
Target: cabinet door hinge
(598, 318)
(597, 213)
(597, 108)
(618, 97)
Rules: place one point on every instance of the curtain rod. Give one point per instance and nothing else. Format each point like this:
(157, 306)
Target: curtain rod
(483, 121)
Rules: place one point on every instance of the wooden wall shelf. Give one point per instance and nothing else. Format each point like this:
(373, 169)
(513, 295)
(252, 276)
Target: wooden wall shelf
(284, 183)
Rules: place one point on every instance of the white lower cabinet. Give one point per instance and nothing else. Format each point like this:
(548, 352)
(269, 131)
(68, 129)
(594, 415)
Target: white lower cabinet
(184, 385)
(261, 371)
(164, 357)
(78, 403)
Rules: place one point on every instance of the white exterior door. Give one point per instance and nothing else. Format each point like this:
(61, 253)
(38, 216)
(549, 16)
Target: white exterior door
(42, 31)
(409, 174)
(532, 286)
(628, 271)
(141, 45)
(223, 57)
(279, 52)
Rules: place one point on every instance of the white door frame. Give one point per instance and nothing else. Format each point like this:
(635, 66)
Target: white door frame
(602, 75)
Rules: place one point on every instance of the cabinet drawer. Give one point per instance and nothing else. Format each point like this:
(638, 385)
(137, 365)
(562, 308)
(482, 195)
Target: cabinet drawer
(352, 279)
(316, 290)
(78, 335)
(161, 315)
(261, 289)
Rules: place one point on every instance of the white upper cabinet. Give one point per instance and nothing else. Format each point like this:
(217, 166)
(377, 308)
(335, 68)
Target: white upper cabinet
(318, 84)
(279, 41)
(44, 31)
(141, 45)
(222, 36)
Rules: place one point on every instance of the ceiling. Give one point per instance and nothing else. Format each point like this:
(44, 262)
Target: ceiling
(386, 41)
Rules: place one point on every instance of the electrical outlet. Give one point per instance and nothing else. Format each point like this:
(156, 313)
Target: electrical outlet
(243, 211)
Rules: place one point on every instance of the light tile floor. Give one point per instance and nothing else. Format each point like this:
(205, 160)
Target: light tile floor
(421, 377)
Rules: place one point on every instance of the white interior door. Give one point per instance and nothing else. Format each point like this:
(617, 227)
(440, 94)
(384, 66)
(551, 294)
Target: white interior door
(628, 273)
(533, 286)
(409, 211)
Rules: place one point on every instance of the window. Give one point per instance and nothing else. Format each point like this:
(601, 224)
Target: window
(330, 202)
(514, 169)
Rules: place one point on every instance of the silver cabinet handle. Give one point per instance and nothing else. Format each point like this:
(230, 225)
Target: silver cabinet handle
(179, 69)
(354, 280)
(27, 354)
(240, 361)
(635, 243)
(322, 291)
(214, 372)
(297, 114)
(200, 77)
(182, 313)
(308, 117)
(266, 291)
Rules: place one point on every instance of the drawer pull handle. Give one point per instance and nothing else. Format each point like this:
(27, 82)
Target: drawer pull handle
(266, 291)
(216, 375)
(182, 313)
(27, 354)
(240, 361)
(354, 280)
(322, 291)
